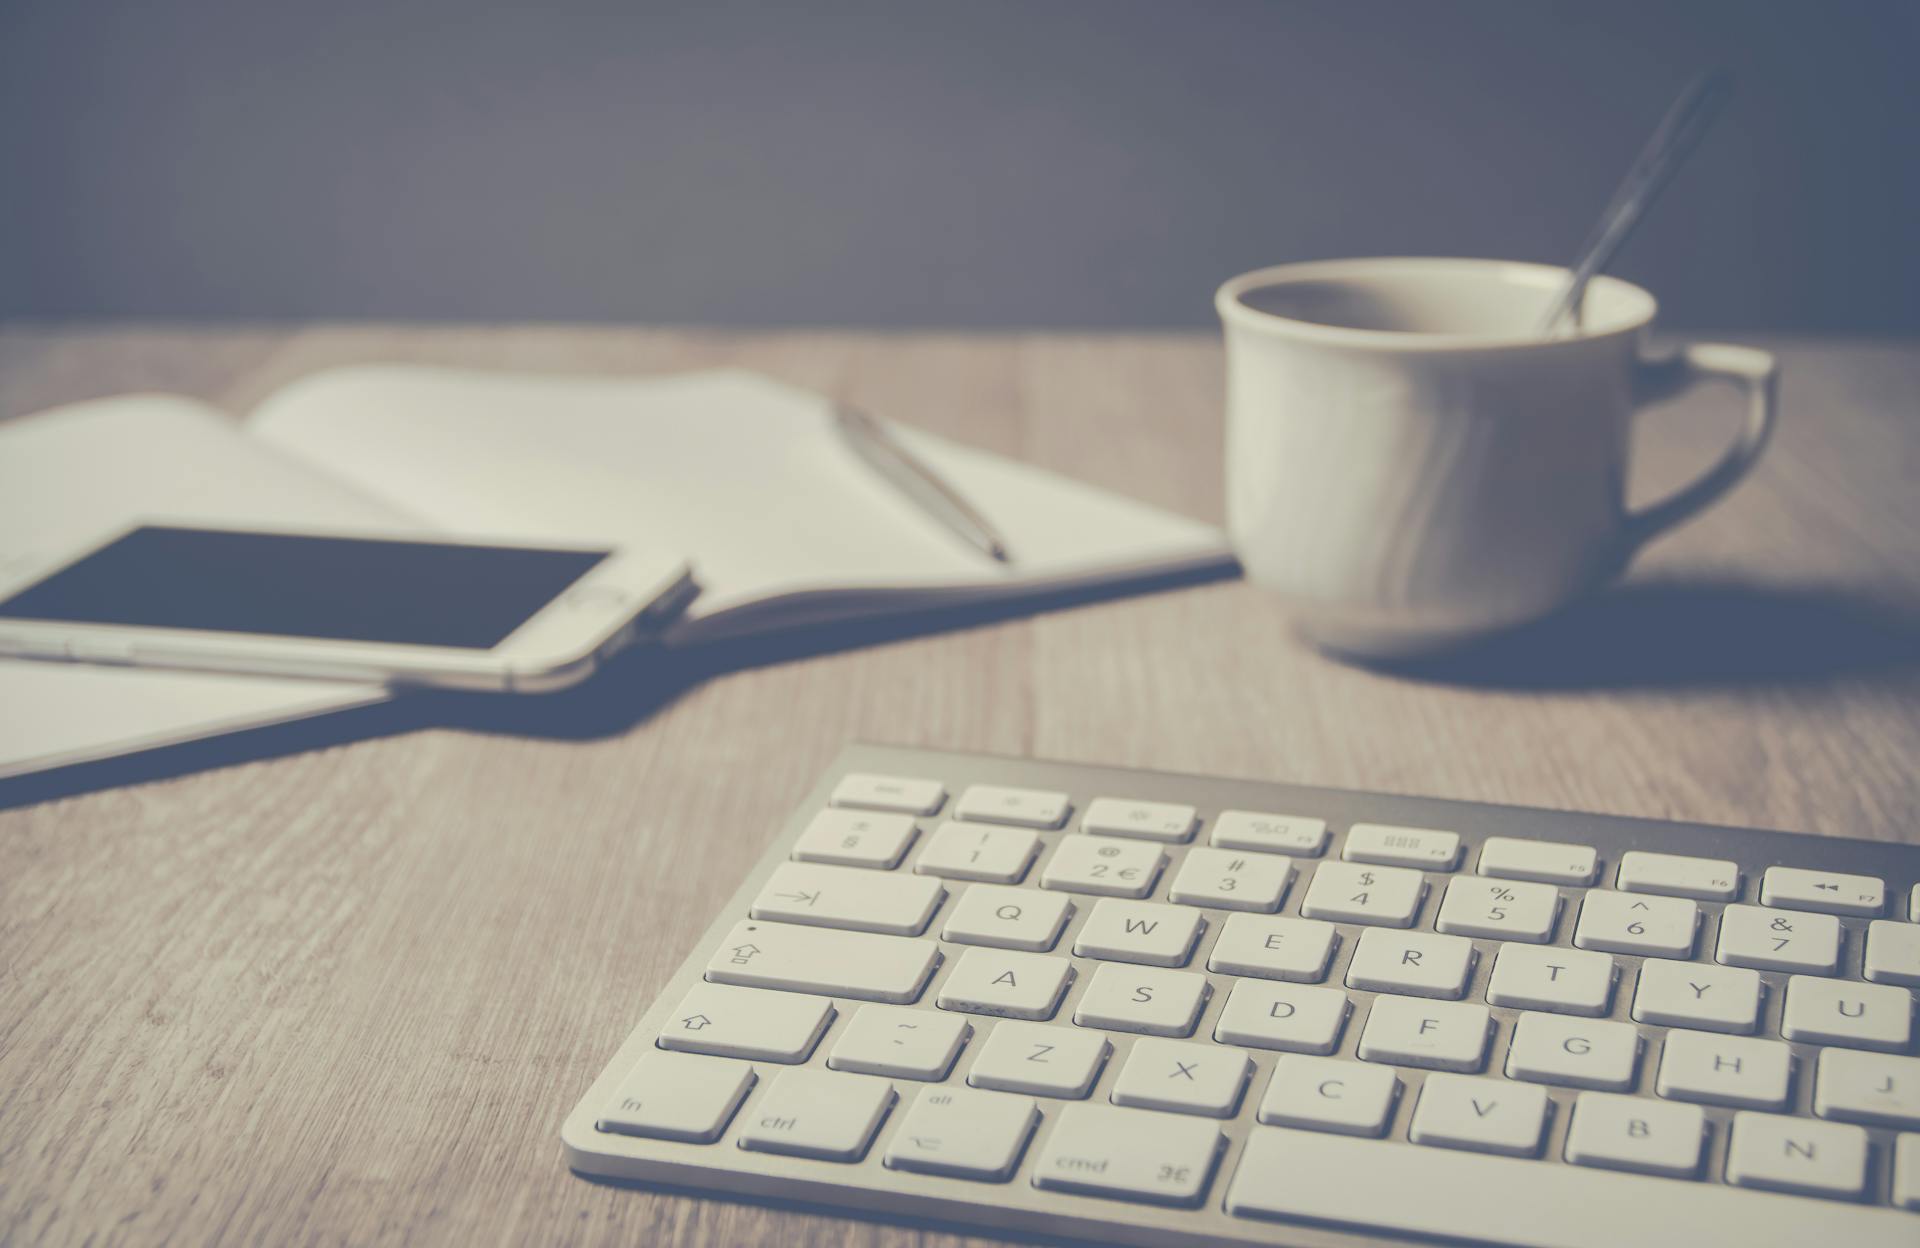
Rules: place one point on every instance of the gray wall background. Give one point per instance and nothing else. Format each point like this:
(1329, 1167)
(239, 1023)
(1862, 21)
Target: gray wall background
(978, 163)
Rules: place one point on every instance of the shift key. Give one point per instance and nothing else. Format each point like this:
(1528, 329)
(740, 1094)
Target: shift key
(1130, 1154)
(832, 963)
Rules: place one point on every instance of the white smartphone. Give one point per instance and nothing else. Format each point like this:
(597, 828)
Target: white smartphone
(394, 608)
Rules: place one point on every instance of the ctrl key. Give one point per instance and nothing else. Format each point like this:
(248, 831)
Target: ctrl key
(1129, 1154)
(678, 1096)
(818, 1113)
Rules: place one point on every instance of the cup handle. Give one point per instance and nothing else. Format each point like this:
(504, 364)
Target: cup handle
(1753, 370)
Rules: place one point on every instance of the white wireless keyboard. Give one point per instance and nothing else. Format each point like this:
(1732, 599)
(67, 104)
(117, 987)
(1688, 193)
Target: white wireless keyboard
(1129, 1007)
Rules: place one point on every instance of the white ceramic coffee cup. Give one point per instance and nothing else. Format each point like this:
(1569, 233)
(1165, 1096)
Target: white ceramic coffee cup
(1413, 465)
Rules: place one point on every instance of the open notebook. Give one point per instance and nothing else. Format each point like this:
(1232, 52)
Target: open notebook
(784, 525)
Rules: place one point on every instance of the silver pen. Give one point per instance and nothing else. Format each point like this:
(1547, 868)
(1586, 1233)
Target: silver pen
(870, 440)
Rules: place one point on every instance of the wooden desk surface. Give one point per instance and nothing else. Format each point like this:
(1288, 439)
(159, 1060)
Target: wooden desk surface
(310, 987)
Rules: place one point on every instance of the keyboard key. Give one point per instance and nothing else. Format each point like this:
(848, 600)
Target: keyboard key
(1831, 892)
(1913, 904)
(1230, 880)
(1143, 999)
(1007, 918)
(855, 838)
(899, 1043)
(1485, 1115)
(1025, 808)
(1419, 964)
(1661, 927)
(1797, 1155)
(1435, 1035)
(1906, 1171)
(863, 791)
(1389, 846)
(1130, 1154)
(1874, 1088)
(1690, 994)
(1278, 834)
(1348, 892)
(1544, 862)
(1705, 879)
(1779, 940)
(1725, 1070)
(1568, 981)
(1577, 1052)
(863, 901)
(1634, 1133)
(1102, 865)
(1183, 1078)
(972, 851)
(1041, 1059)
(1293, 1017)
(823, 960)
(1274, 948)
(1146, 821)
(1476, 906)
(746, 1022)
(1146, 932)
(817, 1113)
(1327, 1094)
(1893, 953)
(1006, 984)
(1861, 1016)
(963, 1134)
(677, 1096)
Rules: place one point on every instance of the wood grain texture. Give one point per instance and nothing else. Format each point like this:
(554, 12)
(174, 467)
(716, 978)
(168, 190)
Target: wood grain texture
(328, 989)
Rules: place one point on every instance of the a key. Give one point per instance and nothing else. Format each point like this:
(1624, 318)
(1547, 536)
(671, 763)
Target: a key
(1265, 833)
(1568, 981)
(1779, 940)
(1725, 1070)
(1297, 1018)
(1040, 1059)
(1893, 953)
(1006, 984)
(677, 1096)
(899, 1043)
(1435, 1035)
(1386, 845)
(963, 1134)
(1146, 932)
(1796, 1155)
(1861, 1016)
(1675, 875)
(1327, 1094)
(1142, 999)
(1577, 1052)
(1498, 910)
(856, 838)
(862, 901)
(1875, 1088)
(1352, 892)
(1419, 964)
(1544, 862)
(1832, 892)
(864, 791)
(1693, 994)
(746, 1022)
(1146, 821)
(1130, 1154)
(1485, 1115)
(1103, 865)
(1007, 918)
(973, 851)
(818, 1113)
(1230, 880)
(1274, 948)
(1658, 927)
(1182, 1077)
(1026, 808)
(823, 960)
(1634, 1133)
